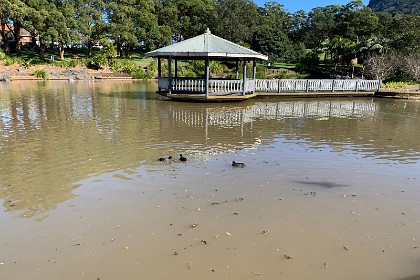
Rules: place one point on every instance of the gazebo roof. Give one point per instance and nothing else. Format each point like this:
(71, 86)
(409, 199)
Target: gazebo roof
(206, 45)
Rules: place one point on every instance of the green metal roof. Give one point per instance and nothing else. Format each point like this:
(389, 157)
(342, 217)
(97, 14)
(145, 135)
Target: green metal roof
(206, 45)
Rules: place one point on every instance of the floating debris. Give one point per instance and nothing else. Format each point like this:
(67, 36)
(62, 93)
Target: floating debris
(325, 265)
(345, 248)
(287, 257)
(204, 242)
(193, 225)
(175, 253)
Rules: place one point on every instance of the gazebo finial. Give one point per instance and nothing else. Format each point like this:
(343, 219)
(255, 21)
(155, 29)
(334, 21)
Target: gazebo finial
(207, 31)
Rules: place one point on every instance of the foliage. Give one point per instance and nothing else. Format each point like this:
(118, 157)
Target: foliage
(395, 6)
(41, 73)
(336, 33)
(2, 55)
(141, 74)
(98, 61)
(397, 84)
(236, 20)
(26, 63)
(8, 60)
(67, 63)
(123, 66)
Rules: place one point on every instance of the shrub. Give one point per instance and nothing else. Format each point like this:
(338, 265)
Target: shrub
(2, 55)
(141, 74)
(97, 62)
(26, 63)
(8, 61)
(117, 65)
(41, 73)
(130, 67)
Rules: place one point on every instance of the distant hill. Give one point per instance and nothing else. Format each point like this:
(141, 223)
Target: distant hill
(395, 6)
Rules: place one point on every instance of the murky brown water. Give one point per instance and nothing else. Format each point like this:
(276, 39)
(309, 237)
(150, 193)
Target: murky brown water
(330, 190)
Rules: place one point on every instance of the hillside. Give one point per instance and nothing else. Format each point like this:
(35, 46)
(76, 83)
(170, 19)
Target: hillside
(396, 6)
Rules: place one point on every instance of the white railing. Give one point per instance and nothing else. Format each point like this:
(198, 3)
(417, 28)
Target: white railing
(290, 85)
(193, 85)
(222, 86)
(188, 85)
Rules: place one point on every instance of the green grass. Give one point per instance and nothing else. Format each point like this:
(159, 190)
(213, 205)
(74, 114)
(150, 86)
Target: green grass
(41, 73)
(397, 84)
(289, 66)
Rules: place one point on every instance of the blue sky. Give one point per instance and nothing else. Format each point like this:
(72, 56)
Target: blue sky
(306, 5)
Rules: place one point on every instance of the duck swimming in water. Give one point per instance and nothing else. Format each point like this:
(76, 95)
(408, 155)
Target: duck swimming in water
(164, 159)
(182, 158)
(238, 164)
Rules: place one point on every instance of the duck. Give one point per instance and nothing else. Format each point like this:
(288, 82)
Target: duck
(182, 158)
(238, 164)
(164, 159)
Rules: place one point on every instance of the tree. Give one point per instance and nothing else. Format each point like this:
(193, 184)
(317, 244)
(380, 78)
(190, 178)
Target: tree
(321, 26)
(129, 22)
(63, 21)
(270, 37)
(380, 66)
(89, 15)
(412, 66)
(186, 18)
(12, 13)
(236, 20)
(356, 21)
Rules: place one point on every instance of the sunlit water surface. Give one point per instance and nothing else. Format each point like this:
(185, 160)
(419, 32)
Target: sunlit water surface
(330, 190)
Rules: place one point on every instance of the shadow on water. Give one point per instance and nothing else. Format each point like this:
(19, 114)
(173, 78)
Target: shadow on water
(325, 184)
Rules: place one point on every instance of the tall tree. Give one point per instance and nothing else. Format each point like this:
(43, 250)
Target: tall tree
(321, 26)
(89, 15)
(12, 13)
(271, 37)
(186, 18)
(236, 20)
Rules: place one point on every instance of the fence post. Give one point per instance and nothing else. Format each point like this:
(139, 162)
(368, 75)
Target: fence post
(332, 88)
(278, 85)
(379, 84)
(307, 85)
(357, 85)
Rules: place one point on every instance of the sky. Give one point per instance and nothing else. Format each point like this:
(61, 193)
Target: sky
(306, 5)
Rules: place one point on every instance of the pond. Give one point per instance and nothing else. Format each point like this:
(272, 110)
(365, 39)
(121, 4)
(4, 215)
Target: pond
(329, 190)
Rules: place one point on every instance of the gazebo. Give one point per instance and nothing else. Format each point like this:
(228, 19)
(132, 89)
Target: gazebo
(206, 47)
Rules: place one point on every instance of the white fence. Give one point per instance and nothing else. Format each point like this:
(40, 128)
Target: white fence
(289, 85)
(192, 85)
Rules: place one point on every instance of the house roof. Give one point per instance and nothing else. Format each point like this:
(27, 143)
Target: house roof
(206, 45)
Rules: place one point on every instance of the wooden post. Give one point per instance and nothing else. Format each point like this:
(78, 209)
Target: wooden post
(237, 69)
(332, 89)
(244, 79)
(207, 77)
(254, 75)
(159, 72)
(279, 84)
(176, 68)
(254, 69)
(159, 68)
(169, 75)
(357, 85)
(307, 85)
